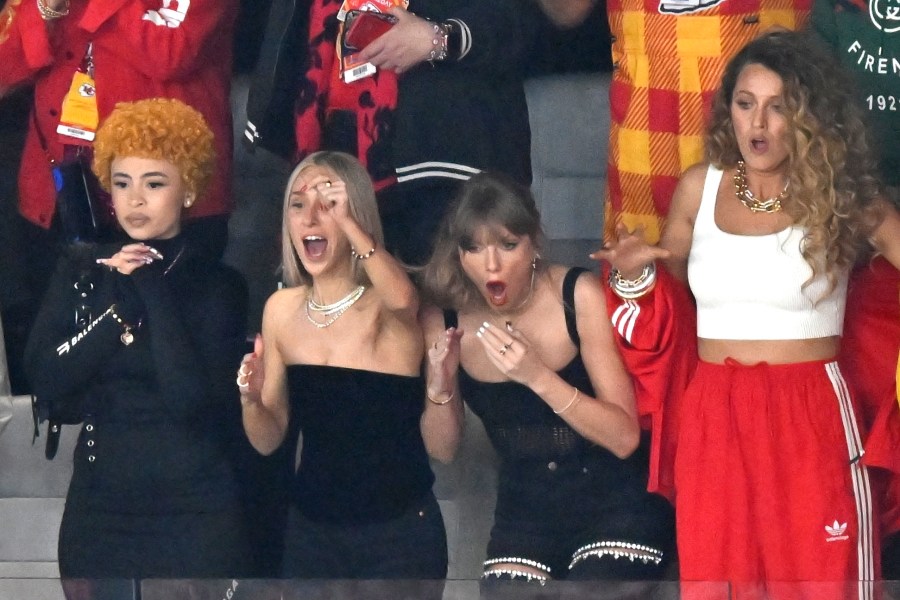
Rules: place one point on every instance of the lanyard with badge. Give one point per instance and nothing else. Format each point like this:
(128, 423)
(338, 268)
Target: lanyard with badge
(79, 117)
(84, 209)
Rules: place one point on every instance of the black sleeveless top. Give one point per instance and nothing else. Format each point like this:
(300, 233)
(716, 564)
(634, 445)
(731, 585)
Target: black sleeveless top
(363, 457)
(547, 465)
(520, 424)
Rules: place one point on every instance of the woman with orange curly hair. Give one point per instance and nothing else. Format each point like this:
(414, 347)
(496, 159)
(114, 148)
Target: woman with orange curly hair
(154, 492)
(771, 483)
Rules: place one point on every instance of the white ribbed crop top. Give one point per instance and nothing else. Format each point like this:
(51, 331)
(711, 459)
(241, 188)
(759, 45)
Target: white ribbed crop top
(748, 287)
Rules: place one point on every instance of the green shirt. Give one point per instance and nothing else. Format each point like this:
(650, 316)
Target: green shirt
(867, 41)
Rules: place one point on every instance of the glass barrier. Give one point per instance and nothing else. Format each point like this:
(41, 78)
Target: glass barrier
(258, 589)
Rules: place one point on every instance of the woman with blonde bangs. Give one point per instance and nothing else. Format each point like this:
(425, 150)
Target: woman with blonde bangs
(161, 325)
(339, 360)
(518, 341)
(771, 484)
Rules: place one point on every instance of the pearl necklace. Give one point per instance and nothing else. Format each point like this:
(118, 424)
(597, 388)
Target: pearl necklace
(743, 193)
(333, 310)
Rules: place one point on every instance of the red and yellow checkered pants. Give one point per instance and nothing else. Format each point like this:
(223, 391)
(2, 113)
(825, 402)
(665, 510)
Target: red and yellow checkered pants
(669, 58)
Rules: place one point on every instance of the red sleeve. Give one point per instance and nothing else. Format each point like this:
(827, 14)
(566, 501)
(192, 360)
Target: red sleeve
(657, 336)
(24, 42)
(869, 351)
(162, 39)
(316, 84)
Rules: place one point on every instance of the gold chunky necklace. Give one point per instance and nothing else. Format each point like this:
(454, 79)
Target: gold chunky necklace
(333, 310)
(743, 193)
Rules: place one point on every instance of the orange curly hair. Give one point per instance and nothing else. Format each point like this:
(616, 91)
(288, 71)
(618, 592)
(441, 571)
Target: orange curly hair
(161, 129)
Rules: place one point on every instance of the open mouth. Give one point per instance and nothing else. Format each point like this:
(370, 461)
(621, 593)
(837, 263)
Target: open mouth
(496, 292)
(315, 246)
(760, 145)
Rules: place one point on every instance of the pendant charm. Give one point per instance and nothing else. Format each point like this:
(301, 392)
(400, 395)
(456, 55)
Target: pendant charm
(127, 337)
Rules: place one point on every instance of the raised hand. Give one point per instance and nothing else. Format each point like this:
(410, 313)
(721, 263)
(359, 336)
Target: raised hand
(333, 199)
(251, 374)
(443, 362)
(630, 252)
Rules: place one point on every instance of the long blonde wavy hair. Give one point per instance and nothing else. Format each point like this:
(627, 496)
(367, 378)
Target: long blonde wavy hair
(832, 182)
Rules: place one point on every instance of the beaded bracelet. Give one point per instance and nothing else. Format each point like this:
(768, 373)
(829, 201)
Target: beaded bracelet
(50, 14)
(632, 289)
(439, 42)
(358, 256)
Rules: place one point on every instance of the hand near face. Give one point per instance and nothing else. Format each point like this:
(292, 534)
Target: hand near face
(406, 44)
(443, 362)
(130, 258)
(334, 201)
(630, 253)
(510, 351)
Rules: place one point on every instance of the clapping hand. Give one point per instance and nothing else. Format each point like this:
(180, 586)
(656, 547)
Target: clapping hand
(251, 374)
(443, 362)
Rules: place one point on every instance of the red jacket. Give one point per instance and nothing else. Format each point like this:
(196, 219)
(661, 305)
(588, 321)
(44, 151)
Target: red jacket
(657, 336)
(141, 49)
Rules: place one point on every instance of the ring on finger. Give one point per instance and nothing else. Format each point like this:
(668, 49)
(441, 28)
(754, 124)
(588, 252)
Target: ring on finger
(504, 348)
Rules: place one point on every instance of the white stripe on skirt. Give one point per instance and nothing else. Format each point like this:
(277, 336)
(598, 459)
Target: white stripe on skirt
(862, 490)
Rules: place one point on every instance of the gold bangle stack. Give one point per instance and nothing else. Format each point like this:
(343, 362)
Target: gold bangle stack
(50, 14)
(632, 289)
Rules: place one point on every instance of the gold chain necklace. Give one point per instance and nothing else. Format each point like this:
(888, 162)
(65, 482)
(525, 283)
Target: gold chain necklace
(333, 310)
(522, 304)
(743, 193)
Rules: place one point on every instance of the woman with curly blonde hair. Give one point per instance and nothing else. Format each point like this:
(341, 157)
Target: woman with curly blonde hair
(770, 484)
(148, 367)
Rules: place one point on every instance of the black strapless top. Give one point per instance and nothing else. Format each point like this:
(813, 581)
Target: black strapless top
(363, 457)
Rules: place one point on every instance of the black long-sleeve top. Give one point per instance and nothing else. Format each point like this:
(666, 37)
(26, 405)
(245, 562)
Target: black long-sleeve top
(162, 415)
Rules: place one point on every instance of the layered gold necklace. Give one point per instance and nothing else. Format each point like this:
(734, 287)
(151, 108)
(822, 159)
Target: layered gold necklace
(743, 193)
(331, 312)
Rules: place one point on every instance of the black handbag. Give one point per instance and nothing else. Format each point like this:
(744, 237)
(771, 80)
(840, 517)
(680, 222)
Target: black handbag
(71, 409)
(275, 82)
(84, 209)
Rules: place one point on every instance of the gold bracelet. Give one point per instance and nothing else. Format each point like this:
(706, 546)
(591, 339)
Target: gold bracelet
(358, 256)
(576, 397)
(433, 401)
(50, 14)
